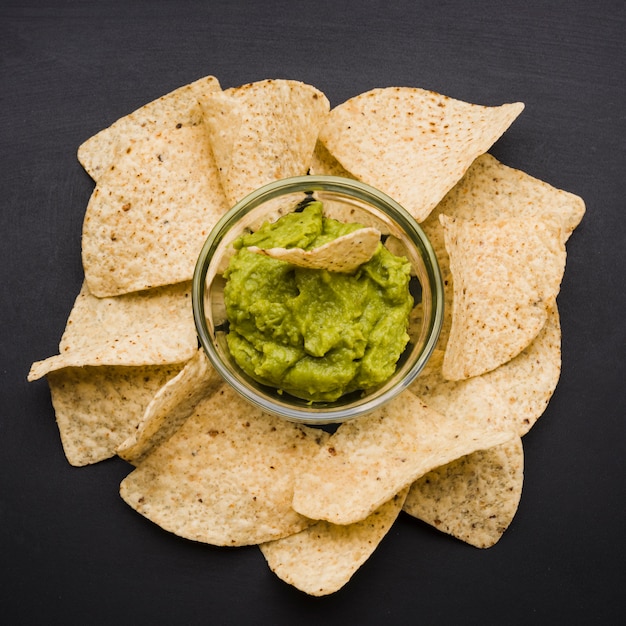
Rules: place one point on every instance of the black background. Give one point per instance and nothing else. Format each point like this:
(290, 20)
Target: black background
(70, 550)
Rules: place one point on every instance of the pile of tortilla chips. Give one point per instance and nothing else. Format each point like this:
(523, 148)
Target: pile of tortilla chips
(129, 379)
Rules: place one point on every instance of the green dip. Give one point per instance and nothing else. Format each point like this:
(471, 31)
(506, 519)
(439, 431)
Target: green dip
(313, 333)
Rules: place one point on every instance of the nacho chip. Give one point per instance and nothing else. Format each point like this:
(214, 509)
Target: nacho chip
(371, 458)
(144, 328)
(209, 467)
(512, 397)
(180, 106)
(322, 558)
(343, 254)
(170, 407)
(226, 476)
(411, 143)
(151, 212)
(263, 131)
(491, 191)
(506, 276)
(324, 163)
(474, 399)
(99, 407)
(527, 382)
(473, 498)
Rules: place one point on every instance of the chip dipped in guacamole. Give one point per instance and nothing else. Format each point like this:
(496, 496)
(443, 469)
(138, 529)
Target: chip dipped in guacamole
(315, 333)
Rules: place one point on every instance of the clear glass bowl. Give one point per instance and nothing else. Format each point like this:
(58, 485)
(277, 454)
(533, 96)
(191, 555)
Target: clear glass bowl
(349, 201)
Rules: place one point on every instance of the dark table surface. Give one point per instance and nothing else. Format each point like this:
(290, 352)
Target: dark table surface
(71, 551)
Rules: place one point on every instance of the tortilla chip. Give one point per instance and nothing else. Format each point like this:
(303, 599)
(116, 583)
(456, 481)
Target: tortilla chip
(180, 106)
(343, 254)
(170, 407)
(322, 558)
(410, 143)
(263, 131)
(527, 382)
(491, 191)
(226, 476)
(144, 328)
(371, 458)
(151, 212)
(512, 397)
(475, 399)
(324, 163)
(99, 407)
(473, 498)
(506, 276)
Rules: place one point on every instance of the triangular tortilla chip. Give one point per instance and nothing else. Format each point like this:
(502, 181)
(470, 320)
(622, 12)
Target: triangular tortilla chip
(527, 382)
(170, 407)
(490, 191)
(343, 254)
(322, 558)
(371, 458)
(180, 106)
(473, 498)
(151, 212)
(512, 397)
(474, 400)
(143, 328)
(226, 476)
(411, 143)
(263, 131)
(324, 163)
(506, 276)
(99, 407)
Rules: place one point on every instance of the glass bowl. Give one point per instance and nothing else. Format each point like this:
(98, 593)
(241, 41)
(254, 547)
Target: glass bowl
(349, 201)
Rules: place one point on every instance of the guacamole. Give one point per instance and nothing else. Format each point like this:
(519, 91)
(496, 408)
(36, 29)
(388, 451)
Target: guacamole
(313, 333)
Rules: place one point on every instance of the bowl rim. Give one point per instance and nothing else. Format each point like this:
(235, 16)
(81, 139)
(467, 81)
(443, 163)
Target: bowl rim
(312, 413)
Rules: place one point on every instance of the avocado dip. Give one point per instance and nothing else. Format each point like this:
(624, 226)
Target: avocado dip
(313, 333)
